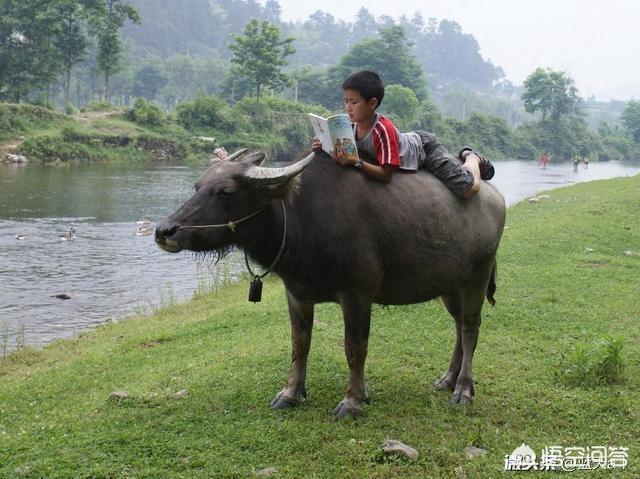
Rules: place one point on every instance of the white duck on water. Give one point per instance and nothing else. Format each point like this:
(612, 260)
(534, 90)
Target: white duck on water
(144, 227)
(70, 236)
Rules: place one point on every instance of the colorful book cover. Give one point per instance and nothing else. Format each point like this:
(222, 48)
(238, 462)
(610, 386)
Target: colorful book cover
(336, 135)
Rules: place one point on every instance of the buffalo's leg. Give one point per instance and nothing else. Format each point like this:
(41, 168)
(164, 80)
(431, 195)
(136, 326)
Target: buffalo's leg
(301, 318)
(357, 320)
(465, 305)
(464, 390)
(449, 379)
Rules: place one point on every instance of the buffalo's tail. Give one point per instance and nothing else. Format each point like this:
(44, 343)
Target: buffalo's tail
(491, 287)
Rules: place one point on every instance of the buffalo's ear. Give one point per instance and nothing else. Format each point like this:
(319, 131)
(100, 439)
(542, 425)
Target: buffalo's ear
(255, 157)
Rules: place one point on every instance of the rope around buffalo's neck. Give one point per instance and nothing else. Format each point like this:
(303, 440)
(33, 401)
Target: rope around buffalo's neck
(277, 258)
(232, 226)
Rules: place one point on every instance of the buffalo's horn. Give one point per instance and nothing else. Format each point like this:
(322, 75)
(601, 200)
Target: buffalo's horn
(261, 175)
(236, 154)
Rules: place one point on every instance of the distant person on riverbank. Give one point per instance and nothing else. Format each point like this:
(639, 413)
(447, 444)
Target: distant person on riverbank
(585, 162)
(544, 159)
(576, 161)
(221, 153)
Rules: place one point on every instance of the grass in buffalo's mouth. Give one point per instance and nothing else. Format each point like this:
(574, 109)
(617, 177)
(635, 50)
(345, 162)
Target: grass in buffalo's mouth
(557, 364)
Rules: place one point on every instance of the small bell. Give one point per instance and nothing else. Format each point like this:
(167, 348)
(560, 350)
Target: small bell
(255, 290)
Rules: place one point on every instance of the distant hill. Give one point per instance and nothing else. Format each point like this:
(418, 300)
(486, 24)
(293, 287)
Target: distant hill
(188, 27)
(203, 27)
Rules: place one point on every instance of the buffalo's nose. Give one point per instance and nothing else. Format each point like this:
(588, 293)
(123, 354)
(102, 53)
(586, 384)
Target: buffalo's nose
(164, 231)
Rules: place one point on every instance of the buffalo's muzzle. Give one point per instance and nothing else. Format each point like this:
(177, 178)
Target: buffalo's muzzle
(163, 233)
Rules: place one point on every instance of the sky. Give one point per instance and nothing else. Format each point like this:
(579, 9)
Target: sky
(596, 42)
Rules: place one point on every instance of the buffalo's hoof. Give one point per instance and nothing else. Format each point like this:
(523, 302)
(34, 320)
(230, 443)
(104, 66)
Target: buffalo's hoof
(444, 383)
(461, 397)
(284, 401)
(349, 408)
(460, 400)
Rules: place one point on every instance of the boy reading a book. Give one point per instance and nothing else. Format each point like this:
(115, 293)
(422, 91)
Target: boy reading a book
(380, 139)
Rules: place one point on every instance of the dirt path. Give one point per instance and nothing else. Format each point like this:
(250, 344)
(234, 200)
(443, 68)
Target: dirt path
(89, 116)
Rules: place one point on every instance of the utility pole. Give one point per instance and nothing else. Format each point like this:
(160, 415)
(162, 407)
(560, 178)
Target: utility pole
(464, 108)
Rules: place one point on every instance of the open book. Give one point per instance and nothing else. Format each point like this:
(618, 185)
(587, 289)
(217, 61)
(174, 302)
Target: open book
(336, 135)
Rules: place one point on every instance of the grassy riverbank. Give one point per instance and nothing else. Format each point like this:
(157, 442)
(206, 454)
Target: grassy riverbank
(567, 278)
(101, 133)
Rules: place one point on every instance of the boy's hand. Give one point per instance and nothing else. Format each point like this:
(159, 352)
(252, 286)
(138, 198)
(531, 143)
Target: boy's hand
(316, 145)
(344, 160)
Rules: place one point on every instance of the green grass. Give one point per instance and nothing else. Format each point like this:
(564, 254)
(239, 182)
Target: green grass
(104, 135)
(563, 281)
(19, 119)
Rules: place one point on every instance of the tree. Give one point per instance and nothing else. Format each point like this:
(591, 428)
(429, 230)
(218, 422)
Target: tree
(389, 56)
(115, 13)
(312, 85)
(148, 80)
(364, 25)
(70, 40)
(272, 11)
(631, 120)
(553, 93)
(402, 103)
(448, 54)
(28, 58)
(259, 55)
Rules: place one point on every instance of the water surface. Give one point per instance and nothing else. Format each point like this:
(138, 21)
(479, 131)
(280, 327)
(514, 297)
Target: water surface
(108, 270)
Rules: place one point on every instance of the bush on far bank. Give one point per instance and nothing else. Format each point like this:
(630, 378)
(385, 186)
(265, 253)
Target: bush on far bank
(144, 113)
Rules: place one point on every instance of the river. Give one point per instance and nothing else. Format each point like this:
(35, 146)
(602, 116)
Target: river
(109, 270)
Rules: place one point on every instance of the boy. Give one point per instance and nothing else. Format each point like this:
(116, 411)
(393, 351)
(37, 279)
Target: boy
(378, 136)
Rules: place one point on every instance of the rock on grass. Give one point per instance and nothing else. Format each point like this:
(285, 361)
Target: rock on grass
(393, 447)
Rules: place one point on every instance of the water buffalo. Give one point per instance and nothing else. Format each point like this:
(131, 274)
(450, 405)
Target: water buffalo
(331, 234)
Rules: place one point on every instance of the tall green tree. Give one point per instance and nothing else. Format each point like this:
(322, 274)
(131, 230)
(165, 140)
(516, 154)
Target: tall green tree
(364, 25)
(389, 55)
(551, 92)
(114, 14)
(631, 120)
(449, 55)
(148, 80)
(401, 102)
(70, 40)
(260, 54)
(272, 11)
(28, 59)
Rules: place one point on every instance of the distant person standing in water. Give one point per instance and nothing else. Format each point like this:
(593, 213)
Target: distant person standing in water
(544, 159)
(585, 162)
(576, 161)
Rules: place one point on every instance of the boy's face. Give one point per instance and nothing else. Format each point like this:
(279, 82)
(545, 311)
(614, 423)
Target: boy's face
(359, 109)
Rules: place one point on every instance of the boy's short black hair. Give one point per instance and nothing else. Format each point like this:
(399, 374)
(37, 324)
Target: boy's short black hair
(367, 83)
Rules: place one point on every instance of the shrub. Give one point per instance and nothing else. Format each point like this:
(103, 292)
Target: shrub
(145, 113)
(205, 112)
(100, 105)
(16, 119)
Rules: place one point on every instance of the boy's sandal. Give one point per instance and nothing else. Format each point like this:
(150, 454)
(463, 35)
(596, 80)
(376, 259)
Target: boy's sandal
(487, 171)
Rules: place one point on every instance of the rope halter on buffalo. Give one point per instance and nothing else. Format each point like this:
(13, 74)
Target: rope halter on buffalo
(255, 288)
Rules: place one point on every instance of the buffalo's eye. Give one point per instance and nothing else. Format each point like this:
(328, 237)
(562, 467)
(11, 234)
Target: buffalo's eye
(227, 190)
